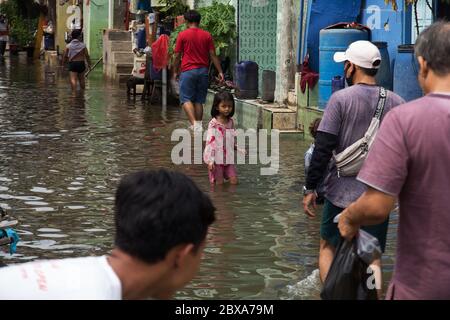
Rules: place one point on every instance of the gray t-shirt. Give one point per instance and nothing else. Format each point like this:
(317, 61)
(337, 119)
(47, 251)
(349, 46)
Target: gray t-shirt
(348, 115)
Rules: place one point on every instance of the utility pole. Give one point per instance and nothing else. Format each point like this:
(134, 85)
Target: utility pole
(284, 50)
(111, 14)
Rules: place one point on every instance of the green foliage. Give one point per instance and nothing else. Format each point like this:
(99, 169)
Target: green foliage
(22, 18)
(174, 36)
(173, 8)
(218, 19)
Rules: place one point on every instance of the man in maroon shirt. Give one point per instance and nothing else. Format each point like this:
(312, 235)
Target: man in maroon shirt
(410, 159)
(194, 47)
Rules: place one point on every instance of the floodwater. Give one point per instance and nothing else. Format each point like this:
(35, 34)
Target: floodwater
(63, 155)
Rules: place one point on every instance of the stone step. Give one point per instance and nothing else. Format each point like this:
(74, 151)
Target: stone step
(292, 98)
(120, 57)
(124, 46)
(122, 77)
(283, 118)
(119, 35)
(291, 132)
(124, 68)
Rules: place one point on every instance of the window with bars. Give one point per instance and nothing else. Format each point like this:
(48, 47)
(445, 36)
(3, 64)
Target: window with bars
(424, 17)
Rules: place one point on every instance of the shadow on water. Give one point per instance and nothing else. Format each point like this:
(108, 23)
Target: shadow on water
(62, 158)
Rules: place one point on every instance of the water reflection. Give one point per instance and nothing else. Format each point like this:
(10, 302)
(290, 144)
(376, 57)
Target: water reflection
(62, 158)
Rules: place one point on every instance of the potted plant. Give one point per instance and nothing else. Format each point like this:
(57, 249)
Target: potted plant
(169, 13)
(22, 18)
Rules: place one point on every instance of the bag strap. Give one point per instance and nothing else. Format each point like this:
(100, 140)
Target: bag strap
(381, 103)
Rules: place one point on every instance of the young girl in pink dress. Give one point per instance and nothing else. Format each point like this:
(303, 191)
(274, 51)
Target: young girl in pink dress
(220, 140)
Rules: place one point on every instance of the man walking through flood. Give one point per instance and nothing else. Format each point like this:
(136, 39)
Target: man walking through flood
(77, 54)
(195, 48)
(346, 119)
(410, 159)
(4, 32)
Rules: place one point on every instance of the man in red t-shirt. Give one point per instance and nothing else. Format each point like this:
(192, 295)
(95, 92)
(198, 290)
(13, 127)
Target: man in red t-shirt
(195, 48)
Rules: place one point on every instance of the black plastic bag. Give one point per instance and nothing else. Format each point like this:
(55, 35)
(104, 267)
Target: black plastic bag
(348, 278)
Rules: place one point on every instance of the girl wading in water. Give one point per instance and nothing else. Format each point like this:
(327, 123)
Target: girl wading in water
(77, 55)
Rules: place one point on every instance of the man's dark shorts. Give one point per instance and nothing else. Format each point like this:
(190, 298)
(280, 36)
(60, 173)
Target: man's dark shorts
(194, 85)
(77, 66)
(330, 232)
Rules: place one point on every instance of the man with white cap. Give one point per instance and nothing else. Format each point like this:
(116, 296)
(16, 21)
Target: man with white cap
(409, 160)
(346, 119)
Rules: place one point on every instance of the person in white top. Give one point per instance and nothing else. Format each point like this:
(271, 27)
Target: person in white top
(4, 32)
(162, 219)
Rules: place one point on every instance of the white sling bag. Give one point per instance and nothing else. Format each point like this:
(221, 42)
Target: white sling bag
(350, 161)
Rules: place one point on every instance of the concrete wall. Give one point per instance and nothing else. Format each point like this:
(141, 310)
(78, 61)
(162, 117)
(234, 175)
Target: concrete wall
(65, 13)
(119, 14)
(96, 15)
(324, 13)
(393, 27)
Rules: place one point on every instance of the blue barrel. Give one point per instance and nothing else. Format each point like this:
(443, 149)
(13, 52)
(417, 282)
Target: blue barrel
(49, 42)
(141, 39)
(246, 76)
(406, 70)
(334, 39)
(337, 83)
(384, 74)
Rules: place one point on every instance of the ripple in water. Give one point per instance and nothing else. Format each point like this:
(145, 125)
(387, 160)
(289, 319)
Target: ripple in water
(41, 190)
(306, 288)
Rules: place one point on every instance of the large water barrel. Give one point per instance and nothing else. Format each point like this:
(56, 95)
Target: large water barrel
(268, 85)
(49, 41)
(246, 74)
(141, 38)
(406, 69)
(384, 74)
(333, 39)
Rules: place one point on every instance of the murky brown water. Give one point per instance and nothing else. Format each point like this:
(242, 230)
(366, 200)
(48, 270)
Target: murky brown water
(62, 157)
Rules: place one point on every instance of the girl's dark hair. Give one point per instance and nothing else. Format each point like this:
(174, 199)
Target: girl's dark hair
(218, 98)
(314, 126)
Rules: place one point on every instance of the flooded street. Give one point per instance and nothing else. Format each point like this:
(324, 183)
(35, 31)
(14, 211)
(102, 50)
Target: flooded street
(62, 157)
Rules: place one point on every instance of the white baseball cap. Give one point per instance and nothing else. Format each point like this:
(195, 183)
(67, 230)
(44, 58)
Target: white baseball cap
(362, 53)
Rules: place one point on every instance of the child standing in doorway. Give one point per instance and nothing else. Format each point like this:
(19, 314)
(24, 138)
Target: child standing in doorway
(220, 140)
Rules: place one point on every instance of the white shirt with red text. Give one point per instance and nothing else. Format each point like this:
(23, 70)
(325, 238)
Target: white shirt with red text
(89, 278)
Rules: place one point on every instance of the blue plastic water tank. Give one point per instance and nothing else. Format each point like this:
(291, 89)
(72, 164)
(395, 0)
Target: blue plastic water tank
(246, 76)
(406, 69)
(337, 83)
(384, 74)
(141, 39)
(49, 41)
(333, 39)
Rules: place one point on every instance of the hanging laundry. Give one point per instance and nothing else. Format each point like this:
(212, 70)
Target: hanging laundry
(160, 52)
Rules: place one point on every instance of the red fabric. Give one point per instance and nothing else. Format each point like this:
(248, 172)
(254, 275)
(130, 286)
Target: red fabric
(194, 44)
(308, 76)
(160, 52)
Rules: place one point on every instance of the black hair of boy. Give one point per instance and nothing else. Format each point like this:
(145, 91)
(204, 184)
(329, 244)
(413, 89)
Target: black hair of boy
(192, 16)
(220, 97)
(76, 34)
(158, 210)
